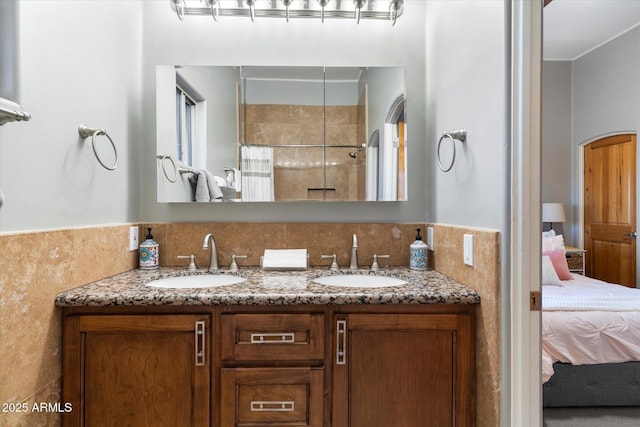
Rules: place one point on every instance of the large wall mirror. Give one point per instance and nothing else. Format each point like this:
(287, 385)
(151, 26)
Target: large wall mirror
(274, 133)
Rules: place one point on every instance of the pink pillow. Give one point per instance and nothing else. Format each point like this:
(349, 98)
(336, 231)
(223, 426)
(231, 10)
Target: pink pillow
(559, 261)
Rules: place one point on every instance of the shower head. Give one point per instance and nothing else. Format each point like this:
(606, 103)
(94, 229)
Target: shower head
(354, 154)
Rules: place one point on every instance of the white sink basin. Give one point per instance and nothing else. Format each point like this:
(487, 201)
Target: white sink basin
(360, 281)
(196, 281)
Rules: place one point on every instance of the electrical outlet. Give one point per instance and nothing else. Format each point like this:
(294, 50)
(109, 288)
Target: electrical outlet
(430, 238)
(133, 238)
(468, 249)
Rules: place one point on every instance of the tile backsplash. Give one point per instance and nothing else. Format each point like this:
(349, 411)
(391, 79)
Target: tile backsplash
(35, 266)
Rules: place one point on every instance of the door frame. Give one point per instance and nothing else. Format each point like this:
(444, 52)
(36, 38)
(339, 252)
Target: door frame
(578, 231)
(521, 400)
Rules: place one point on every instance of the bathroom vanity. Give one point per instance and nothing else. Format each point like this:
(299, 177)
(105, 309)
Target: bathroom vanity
(276, 349)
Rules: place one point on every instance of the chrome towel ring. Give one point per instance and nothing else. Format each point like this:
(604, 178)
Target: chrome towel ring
(86, 132)
(176, 169)
(460, 135)
(162, 158)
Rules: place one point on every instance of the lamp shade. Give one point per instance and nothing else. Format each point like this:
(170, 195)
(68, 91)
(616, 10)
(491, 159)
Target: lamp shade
(553, 212)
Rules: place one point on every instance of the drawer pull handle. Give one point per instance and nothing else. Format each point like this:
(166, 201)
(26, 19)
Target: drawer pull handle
(283, 338)
(272, 406)
(341, 344)
(199, 339)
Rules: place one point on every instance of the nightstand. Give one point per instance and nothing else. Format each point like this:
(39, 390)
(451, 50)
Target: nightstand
(575, 259)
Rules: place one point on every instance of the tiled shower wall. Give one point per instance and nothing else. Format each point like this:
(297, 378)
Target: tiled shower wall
(299, 173)
(35, 266)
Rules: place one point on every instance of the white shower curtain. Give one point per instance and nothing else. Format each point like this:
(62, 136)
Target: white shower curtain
(388, 176)
(257, 173)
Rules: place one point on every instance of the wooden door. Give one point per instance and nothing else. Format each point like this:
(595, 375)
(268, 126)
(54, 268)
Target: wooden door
(137, 370)
(403, 370)
(610, 209)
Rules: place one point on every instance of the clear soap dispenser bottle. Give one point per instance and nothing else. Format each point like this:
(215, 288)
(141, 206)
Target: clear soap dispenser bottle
(418, 253)
(149, 253)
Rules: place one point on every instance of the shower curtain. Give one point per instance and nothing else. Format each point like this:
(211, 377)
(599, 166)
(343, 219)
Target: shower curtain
(256, 165)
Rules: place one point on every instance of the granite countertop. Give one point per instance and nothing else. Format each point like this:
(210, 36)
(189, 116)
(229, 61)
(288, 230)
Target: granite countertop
(267, 288)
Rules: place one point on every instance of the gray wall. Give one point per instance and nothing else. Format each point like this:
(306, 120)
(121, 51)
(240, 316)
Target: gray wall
(467, 87)
(80, 64)
(593, 96)
(557, 171)
(91, 74)
(606, 87)
(197, 41)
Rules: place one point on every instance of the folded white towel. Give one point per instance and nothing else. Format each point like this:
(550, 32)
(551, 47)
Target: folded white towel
(284, 259)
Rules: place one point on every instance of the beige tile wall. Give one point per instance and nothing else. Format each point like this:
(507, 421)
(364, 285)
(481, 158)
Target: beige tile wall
(252, 239)
(484, 277)
(298, 169)
(34, 267)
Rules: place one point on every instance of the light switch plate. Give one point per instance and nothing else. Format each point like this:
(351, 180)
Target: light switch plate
(133, 238)
(468, 249)
(430, 238)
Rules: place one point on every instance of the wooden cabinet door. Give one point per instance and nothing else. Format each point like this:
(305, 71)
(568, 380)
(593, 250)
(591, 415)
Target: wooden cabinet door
(137, 370)
(409, 370)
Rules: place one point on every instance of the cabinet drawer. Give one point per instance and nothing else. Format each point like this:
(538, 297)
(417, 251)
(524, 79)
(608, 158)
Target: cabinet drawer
(272, 337)
(271, 396)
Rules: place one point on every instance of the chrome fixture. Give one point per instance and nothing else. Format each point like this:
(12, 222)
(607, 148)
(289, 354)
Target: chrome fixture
(460, 135)
(11, 112)
(388, 10)
(210, 243)
(358, 4)
(353, 261)
(86, 132)
(252, 9)
(354, 154)
(374, 265)
(215, 8)
(287, 3)
(192, 261)
(234, 265)
(334, 262)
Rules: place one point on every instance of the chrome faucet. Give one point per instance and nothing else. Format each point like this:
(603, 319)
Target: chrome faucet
(353, 262)
(213, 259)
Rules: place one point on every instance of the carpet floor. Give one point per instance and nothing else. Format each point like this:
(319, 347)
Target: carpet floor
(591, 417)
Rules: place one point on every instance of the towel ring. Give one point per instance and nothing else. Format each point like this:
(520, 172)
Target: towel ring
(86, 132)
(164, 157)
(460, 135)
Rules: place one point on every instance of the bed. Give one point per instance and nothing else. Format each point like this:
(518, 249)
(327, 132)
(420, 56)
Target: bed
(590, 343)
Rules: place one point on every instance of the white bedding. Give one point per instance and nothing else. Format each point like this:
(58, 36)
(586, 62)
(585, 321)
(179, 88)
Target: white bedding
(588, 321)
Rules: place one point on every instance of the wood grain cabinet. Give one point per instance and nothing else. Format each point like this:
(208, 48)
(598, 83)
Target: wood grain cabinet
(137, 370)
(409, 370)
(297, 366)
(273, 369)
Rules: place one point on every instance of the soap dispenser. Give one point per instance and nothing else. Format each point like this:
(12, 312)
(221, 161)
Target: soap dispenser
(149, 253)
(418, 253)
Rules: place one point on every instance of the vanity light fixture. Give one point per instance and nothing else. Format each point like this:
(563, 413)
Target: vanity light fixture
(388, 10)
